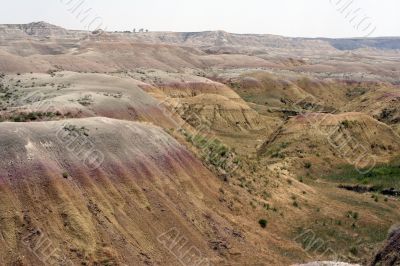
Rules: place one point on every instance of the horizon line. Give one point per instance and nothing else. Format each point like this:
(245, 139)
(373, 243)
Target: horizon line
(201, 31)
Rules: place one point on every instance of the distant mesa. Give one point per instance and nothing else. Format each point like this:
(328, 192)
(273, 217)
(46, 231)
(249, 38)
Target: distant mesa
(217, 39)
(39, 29)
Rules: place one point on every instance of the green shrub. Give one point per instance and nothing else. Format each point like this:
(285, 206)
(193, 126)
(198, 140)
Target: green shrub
(354, 251)
(18, 119)
(31, 116)
(263, 223)
(345, 123)
(354, 215)
(375, 197)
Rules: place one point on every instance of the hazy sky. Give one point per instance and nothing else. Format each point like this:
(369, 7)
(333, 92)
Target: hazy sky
(306, 18)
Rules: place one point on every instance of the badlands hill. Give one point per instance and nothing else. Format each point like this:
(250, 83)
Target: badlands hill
(35, 29)
(109, 201)
(207, 148)
(326, 139)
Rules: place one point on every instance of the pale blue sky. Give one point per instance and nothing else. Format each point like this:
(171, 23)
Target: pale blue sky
(299, 18)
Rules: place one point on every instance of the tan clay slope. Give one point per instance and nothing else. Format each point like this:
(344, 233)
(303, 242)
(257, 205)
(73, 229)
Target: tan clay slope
(200, 101)
(180, 85)
(106, 56)
(146, 185)
(223, 115)
(209, 106)
(288, 89)
(275, 91)
(383, 103)
(329, 140)
(82, 95)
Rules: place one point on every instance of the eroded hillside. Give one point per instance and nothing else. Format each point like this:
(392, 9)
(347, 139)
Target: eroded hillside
(195, 148)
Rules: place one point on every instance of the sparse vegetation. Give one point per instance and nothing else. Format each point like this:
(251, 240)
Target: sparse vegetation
(214, 152)
(375, 197)
(307, 165)
(353, 215)
(86, 100)
(52, 72)
(277, 151)
(80, 130)
(354, 251)
(346, 124)
(380, 177)
(34, 116)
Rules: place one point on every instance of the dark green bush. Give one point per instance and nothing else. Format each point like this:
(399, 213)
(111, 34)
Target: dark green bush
(263, 223)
